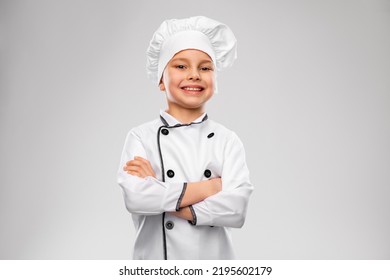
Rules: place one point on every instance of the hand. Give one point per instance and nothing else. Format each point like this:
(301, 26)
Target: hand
(184, 213)
(198, 191)
(139, 167)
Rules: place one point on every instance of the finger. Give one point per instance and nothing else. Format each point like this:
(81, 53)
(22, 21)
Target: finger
(126, 167)
(130, 164)
(133, 168)
(134, 162)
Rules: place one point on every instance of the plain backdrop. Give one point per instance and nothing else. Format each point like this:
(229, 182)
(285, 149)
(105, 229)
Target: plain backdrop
(309, 96)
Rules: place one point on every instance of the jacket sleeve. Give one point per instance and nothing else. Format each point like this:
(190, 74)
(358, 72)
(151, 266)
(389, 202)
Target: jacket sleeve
(228, 207)
(145, 196)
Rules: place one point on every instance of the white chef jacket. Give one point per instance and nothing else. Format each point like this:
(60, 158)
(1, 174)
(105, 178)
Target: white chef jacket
(181, 153)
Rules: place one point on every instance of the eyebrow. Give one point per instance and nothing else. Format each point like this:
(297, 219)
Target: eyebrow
(187, 60)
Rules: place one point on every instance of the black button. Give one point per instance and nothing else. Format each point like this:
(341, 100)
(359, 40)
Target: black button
(170, 173)
(165, 131)
(207, 173)
(210, 135)
(169, 225)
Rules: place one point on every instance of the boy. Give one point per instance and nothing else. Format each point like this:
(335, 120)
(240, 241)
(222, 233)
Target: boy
(184, 177)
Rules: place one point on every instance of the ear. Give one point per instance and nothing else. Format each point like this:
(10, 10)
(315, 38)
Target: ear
(162, 86)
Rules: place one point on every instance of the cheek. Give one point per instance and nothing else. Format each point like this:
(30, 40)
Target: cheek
(211, 80)
(172, 80)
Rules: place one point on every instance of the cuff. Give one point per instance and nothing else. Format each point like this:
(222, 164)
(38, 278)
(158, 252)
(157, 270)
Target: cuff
(194, 219)
(181, 197)
(172, 192)
(203, 216)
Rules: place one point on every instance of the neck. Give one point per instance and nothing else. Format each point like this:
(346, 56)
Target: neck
(185, 115)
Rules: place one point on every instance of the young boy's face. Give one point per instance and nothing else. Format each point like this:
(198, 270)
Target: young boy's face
(188, 79)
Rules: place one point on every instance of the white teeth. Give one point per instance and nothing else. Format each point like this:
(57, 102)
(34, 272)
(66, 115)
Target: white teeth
(189, 88)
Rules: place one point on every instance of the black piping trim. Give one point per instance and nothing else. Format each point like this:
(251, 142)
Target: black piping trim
(166, 125)
(181, 196)
(159, 150)
(164, 237)
(163, 179)
(194, 219)
(164, 121)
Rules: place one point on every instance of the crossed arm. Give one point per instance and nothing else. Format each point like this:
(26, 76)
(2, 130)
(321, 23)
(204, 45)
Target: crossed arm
(194, 193)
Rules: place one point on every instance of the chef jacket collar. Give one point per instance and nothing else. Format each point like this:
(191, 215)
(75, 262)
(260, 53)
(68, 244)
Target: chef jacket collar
(169, 120)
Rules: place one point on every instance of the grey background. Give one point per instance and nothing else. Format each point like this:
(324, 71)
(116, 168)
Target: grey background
(309, 96)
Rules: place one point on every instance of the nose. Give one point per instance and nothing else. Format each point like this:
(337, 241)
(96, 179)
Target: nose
(193, 75)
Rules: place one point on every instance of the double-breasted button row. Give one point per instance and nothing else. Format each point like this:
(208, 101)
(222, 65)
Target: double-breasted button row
(171, 173)
(169, 225)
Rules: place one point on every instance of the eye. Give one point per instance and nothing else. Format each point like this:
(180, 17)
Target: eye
(206, 68)
(180, 66)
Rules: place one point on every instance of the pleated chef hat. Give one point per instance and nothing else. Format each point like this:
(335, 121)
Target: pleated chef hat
(201, 33)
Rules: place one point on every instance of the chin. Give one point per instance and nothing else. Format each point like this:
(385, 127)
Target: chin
(193, 106)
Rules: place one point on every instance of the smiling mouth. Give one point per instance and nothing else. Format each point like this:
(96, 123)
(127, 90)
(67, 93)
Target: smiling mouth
(192, 89)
